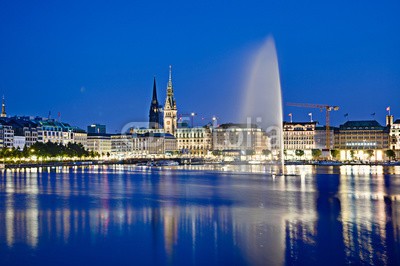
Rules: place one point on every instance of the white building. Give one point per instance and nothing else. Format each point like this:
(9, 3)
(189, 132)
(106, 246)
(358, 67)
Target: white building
(19, 142)
(240, 138)
(299, 136)
(100, 143)
(58, 132)
(23, 127)
(154, 143)
(194, 141)
(121, 144)
(7, 136)
(79, 136)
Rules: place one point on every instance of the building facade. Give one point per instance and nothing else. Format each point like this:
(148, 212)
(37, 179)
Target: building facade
(22, 127)
(79, 136)
(395, 137)
(100, 143)
(58, 132)
(154, 144)
(362, 140)
(121, 144)
(299, 136)
(19, 142)
(195, 141)
(241, 138)
(6, 136)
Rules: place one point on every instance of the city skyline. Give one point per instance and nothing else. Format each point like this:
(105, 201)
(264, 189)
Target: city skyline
(62, 58)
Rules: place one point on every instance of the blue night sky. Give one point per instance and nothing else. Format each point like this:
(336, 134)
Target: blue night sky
(94, 61)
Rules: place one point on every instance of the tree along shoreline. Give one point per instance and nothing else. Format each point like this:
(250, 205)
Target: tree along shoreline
(47, 152)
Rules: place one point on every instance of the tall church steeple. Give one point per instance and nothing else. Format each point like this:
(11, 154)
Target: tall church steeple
(170, 111)
(154, 114)
(170, 91)
(3, 108)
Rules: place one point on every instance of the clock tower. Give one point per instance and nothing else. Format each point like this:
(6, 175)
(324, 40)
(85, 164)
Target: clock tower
(170, 111)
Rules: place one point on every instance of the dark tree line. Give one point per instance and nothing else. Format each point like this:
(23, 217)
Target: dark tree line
(48, 150)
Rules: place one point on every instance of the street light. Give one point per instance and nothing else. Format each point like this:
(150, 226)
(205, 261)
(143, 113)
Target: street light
(310, 115)
(214, 123)
(192, 117)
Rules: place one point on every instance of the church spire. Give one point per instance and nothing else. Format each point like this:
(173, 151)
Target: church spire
(170, 74)
(154, 114)
(170, 90)
(3, 108)
(154, 99)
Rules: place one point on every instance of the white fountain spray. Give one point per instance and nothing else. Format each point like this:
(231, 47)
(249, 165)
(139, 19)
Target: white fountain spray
(263, 99)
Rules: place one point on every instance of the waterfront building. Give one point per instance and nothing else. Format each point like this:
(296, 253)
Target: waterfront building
(58, 132)
(79, 136)
(19, 142)
(1, 137)
(299, 136)
(100, 143)
(23, 127)
(96, 129)
(195, 141)
(140, 131)
(240, 139)
(154, 113)
(170, 110)
(395, 137)
(154, 143)
(121, 144)
(50, 131)
(362, 140)
(6, 136)
(130, 145)
(36, 129)
(320, 137)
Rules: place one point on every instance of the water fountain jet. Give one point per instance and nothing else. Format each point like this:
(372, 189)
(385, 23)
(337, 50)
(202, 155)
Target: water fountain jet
(263, 98)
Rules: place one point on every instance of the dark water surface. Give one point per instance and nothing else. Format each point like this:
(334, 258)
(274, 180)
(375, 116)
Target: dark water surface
(122, 215)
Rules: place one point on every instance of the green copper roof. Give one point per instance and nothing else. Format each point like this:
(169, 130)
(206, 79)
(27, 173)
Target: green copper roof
(362, 124)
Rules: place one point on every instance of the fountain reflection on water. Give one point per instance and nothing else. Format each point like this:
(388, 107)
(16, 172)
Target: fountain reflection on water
(263, 97)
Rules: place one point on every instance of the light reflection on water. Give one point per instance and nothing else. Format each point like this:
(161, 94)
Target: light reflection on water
(200, 214)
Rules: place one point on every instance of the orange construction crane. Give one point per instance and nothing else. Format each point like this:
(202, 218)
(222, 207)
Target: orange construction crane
(328, 109)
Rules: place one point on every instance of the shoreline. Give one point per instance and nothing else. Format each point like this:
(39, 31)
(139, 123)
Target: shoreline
(182, 161)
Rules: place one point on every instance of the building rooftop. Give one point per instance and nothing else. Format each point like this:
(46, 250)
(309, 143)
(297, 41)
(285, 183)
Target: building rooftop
(300, 123)
(20, 122)
(238, 125)
(157, 135)
(362, 124)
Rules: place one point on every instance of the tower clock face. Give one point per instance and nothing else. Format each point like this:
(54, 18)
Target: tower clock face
(168, 122)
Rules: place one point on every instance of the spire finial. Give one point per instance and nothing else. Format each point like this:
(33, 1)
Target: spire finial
(3, 108)
(154, 91)
(169, 87)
